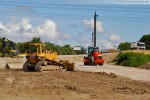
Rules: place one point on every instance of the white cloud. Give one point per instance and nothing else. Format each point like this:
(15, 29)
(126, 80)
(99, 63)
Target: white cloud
(25, 31)
(114, 38)
(90, 24)
(106, 44)
(47, 30)
(2, 27)
(110, 42)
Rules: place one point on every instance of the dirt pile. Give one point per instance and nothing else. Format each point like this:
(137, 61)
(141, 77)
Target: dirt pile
(59, 85)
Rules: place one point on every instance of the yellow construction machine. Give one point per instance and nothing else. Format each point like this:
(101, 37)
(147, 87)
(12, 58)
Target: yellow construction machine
(40, 59)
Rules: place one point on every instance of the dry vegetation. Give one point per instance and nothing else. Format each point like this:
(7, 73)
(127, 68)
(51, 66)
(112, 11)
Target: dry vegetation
(139, 51)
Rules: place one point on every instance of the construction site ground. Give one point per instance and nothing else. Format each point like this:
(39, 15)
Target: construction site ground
(130, 72)
(16, 84)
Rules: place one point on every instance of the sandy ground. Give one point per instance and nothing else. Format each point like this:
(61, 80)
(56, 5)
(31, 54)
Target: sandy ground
(67, 85)
(59, 85)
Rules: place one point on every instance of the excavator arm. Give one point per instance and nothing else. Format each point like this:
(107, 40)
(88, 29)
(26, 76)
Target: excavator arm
(13, 52)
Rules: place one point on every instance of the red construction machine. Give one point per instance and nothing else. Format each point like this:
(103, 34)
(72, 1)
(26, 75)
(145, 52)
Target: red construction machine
(93, 57)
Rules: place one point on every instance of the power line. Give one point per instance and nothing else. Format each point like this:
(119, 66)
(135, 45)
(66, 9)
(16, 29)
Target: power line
(65, 16)
(76, 15)
(108, 8)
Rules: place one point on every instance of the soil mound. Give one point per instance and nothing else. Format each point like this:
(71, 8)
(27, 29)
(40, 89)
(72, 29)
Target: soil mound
(145, 66)
(59, 85)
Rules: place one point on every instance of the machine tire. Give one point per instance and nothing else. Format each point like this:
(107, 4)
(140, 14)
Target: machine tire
(38, 65)
(101, 64)
(38, 68)
(91, 60)
(25, 66)
(85, 58)
(86, 63)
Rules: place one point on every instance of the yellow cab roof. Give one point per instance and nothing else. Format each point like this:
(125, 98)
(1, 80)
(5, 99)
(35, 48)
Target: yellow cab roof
(36, 44)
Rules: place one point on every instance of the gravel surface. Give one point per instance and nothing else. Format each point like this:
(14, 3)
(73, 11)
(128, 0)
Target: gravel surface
(133, 73)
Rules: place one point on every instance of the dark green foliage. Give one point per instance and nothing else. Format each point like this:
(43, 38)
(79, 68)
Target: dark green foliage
(146, 40)
(61, 50)
(24, 46)
(0, 46)
(124, 46)
(133, 59)
(36, 40)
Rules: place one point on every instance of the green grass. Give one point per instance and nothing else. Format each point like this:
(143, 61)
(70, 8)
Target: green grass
(7, 55)
(0, 54)
(133, 59)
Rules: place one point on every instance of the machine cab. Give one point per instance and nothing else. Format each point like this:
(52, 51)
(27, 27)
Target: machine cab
(37, 48)
(91, 50)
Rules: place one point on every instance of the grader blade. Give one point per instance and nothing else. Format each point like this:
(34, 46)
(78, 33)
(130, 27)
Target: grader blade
(69, 66)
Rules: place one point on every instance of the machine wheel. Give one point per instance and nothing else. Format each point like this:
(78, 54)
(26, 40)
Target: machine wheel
(38, 65)
(91, 61)
(85, 63)
(25, 66)
(101, 64)
(38, 68)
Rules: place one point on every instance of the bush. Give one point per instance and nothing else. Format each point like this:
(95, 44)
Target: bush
(133, 59)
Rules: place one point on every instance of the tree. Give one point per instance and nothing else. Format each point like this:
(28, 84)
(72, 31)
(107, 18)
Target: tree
(50, 46)
(68, 49)
(146, 40)
(36, 40)
(0, 44)
(124, 46)
(61, 50)
(23, 46)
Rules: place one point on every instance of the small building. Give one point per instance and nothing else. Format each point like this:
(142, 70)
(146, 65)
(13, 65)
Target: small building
(77, 49)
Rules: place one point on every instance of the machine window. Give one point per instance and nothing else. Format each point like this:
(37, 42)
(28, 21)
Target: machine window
(33, 49)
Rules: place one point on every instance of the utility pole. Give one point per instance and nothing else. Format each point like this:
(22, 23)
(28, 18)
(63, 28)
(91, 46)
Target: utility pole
(95, 29)
(92, 39)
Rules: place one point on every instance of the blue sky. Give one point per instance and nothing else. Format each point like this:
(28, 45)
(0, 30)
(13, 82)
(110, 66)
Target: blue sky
(71, 21)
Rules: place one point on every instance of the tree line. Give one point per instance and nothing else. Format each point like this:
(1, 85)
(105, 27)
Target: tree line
(61, 50)
(145, 39)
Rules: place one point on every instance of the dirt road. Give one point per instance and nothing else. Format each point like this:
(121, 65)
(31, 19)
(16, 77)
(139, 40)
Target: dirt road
(133, 73)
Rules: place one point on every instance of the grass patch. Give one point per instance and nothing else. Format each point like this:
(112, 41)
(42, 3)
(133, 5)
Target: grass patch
(133, 59)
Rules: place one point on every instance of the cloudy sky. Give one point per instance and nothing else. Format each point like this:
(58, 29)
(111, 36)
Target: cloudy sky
(71, 21)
